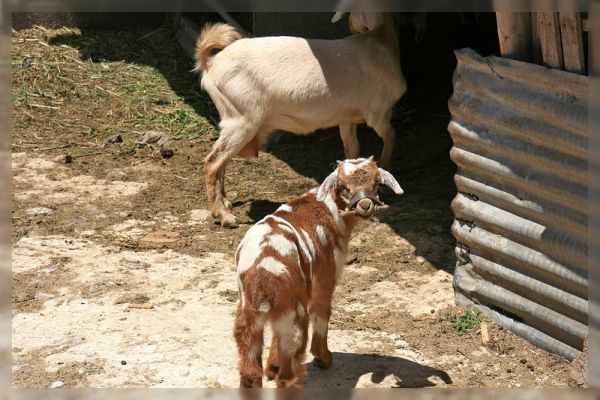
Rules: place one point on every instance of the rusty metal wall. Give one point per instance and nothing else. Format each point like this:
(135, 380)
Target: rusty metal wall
(520, 136)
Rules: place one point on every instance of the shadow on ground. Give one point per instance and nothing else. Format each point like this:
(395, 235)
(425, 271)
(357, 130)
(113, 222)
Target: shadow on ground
(348, 368)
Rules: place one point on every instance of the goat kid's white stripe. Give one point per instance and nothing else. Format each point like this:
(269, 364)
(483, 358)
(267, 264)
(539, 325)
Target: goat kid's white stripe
(250, 248)
(321, 234)
(339, 258)
(274, 266)
(284, 247)
(286, 226)
(309, 241)
(290, 229)
(300, 241)
(335, 212)
(280, 244)
(285, 208)
(312, 248)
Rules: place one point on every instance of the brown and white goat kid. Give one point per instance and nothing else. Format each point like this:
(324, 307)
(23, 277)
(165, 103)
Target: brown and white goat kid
(288, 265)
(297, 85)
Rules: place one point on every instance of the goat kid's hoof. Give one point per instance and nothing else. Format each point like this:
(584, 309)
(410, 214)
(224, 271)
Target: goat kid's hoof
(228, 205)
(271, 372)
(323, 364)
(289, 383)
(248, 383)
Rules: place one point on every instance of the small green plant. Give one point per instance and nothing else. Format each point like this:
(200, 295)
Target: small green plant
(470, 318)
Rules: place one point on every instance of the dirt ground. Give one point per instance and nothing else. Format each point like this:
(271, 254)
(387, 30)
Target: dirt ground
(81, 203)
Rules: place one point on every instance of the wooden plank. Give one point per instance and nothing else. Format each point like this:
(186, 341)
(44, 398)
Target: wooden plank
(572, 42)
(536, 47)
(514, 35)
(549, 29)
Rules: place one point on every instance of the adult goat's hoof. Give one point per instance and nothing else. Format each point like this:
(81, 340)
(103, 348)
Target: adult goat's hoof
(229, 221)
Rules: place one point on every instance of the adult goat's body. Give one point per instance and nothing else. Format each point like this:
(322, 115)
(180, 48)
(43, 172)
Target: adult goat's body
(298, 85)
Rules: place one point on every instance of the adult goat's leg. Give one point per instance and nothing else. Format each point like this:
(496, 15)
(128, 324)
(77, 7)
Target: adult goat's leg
(350, 140)
(231, 140)
(387, 133)
(226, 202)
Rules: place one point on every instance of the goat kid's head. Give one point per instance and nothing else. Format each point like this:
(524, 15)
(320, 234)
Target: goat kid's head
(355, 183)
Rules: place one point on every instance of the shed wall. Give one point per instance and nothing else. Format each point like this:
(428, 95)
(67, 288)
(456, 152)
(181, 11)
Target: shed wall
(519, 136)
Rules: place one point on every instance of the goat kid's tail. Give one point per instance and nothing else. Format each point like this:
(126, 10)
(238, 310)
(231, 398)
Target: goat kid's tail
(213, 38)
(261, 296)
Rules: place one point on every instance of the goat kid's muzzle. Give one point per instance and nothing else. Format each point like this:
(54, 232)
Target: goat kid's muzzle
(364, 203)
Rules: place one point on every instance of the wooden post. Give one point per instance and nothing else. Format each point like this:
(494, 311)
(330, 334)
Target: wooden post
(514, 35)
(536, 48)
(572, 42)
(549, 29)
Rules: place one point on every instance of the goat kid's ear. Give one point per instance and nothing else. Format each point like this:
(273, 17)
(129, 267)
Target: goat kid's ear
(387, 179)
(329, 183)
(338, 15)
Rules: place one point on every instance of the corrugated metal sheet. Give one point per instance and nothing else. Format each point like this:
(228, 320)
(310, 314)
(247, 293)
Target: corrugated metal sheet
(519, 136)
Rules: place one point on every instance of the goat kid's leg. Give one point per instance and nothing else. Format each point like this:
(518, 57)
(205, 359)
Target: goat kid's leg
(350, 140)
(248, 332)
(272, 367)
(320, 312)
(291, 330)
(230, 142)
(300, 354)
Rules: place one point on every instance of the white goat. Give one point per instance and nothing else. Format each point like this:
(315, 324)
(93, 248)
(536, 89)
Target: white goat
(297, 85)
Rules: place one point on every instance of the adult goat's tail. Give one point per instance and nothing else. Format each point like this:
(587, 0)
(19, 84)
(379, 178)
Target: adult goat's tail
(213, 38)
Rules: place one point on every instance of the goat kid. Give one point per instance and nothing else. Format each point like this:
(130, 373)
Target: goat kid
(298, 85)
(288, 265)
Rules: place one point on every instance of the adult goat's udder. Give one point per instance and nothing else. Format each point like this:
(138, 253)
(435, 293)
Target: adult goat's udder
(250, 149)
